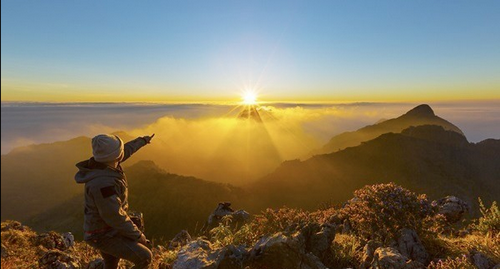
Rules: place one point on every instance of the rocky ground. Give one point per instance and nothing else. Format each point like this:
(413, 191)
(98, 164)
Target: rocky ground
(383, 226)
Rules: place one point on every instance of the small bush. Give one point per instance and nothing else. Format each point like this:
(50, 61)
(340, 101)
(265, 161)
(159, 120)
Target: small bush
(489, 223)
(285, 220)
(380, 211)
(345, 250)
(222, 235)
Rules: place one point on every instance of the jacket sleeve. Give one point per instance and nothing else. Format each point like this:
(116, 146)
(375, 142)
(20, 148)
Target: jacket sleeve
(133, 146)
(110, 209)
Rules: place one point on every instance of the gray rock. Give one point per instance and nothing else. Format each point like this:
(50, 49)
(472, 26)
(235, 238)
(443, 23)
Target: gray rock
(452, 208)
(320, 242)
(51, 240)
(481, 261)
(232, 257)
(180, 239)
(199, 254)
(368, 252)
(56, 259)
(195, 255)
(409, 245)
(68, 239)
(346, 227)
(388, 258)
(96, 264)
(283, 252)
(239, 218)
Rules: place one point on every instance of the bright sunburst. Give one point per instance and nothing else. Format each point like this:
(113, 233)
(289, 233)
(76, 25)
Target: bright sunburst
(249, 97)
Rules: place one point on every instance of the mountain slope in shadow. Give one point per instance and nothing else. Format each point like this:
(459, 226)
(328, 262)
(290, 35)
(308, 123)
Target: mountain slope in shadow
(169, 202)
(426, 159)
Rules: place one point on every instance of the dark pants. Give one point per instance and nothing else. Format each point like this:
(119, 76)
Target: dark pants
(118, 247)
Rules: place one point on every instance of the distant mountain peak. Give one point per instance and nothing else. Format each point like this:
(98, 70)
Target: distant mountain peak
(423, 110)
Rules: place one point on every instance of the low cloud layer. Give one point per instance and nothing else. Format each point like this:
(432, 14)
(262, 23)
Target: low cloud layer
(211, 142)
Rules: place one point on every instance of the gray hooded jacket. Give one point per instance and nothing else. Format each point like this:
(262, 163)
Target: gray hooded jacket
(106, 196)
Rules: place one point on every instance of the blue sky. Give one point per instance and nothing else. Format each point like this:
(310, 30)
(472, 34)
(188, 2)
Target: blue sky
(286, 50)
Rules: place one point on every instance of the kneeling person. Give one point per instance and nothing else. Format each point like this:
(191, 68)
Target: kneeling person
(107, 226)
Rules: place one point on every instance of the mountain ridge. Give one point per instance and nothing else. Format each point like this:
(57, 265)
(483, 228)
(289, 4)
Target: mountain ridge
(419, 115)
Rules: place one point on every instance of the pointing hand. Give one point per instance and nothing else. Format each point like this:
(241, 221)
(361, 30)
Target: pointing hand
(148, 138)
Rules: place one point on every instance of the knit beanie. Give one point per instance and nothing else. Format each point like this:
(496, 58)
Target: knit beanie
(107, 148)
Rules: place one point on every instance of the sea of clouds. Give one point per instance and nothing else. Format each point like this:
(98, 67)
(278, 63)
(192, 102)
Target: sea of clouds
(211, 142)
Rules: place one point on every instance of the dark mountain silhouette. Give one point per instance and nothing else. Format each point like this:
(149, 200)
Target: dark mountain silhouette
(426, 159)
(420, 115)
(250, 112)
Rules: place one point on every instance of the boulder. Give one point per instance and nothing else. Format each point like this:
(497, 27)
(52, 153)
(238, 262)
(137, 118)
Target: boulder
(239, 217)
(409, 245)
(319, 242)
(96, 264)
(388, 258)
(481, 261)
(180, 239)
(346, 227)
(283, 252)
(12, 225)
(195, 255)
(452, 208)
(56, 259)
(68, 239)
(51, 240)
(232, 257)
(199, 254)
(368, 252)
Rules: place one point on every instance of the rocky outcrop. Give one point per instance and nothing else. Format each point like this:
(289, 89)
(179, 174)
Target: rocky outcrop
(388, 258)
(409, 245)
(195, 255)
(200, 254)
(96, 264)
(368, 253)
(181, 239)
(13, 225)
(53, 240)
(452, 208)
(283, 252)
(56, 259)
(481, 261)
(223, 209)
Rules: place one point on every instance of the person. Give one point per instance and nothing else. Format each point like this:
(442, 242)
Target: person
(107, 226)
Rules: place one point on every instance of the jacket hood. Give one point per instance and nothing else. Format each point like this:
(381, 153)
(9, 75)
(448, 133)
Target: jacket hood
(87, 172)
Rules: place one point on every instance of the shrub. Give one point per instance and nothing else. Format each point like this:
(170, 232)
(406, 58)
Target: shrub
(285, 220)
(489, 223)
(345, 250)
(222, 235)
(380, 211)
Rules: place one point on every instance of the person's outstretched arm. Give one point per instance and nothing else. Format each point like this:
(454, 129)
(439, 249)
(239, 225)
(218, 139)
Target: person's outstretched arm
(134, 145)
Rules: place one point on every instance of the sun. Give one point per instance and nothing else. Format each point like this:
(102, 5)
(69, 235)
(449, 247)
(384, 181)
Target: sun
(249, 97)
